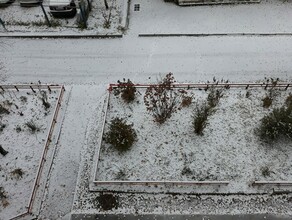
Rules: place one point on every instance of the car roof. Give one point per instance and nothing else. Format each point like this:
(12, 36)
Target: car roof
(59, 2)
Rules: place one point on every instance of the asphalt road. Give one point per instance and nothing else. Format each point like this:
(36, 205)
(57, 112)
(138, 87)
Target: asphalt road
(107, 60)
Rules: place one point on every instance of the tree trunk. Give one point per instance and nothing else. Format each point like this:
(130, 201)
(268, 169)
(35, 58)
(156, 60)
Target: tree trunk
(106, 4)
(2, 151)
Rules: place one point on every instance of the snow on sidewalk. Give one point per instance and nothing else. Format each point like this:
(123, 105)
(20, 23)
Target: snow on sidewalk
(61, 187)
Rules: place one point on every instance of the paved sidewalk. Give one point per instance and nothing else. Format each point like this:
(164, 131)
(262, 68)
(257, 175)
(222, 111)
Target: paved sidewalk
(159, 17)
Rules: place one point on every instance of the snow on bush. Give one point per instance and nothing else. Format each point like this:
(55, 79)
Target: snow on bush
(120, 135)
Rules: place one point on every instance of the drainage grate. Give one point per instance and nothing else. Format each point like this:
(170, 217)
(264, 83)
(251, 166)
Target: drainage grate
(136, 7)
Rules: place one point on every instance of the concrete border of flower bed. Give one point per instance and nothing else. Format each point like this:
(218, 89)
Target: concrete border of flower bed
(96, 183)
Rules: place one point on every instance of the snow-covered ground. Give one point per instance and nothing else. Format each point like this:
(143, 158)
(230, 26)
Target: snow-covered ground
(19, 167)
(241, 155)
(86, 66)
(229, 149)
(31, 20)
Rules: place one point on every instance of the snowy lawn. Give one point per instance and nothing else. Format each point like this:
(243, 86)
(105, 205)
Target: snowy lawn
(31, 19)
(159, 17)
(229, 148)
(24, 143)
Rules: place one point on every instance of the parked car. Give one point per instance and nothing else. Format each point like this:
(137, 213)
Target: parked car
(5, 3)
(29, 3)
(63, 8)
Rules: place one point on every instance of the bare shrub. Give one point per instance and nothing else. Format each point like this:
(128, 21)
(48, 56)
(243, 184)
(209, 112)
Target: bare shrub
(120, 135)
(3, 110)
(18, 173)
(186, 171)
(247, 94)
(201, 114)
(267, 101)
(2, 126)
(126, 89)
(162, 100)
(288, 100)
(32, 126)
(266, 171)
(23, 99)
(121, 175)
(186, 101)
(107, 201)
(107, 15)
(44, 99)
(3, 197)
(18, 128)
(214, 97)
(200, 118)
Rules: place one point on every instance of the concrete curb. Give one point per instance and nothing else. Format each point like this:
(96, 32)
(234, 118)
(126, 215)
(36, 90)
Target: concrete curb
(69, 36)
(217, 35)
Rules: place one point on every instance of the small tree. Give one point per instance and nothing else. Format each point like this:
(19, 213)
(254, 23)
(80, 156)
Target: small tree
(161, 100)
(126, 89)
(121, 135)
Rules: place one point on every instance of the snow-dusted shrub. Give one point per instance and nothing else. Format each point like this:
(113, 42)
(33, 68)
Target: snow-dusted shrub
(3, 110)
(32, 127)
(121, 175)
(277, 123)
(3, 197)
(23, 99)
(120, 135)
(266, 171)
(200, 118)
(44, 99)
(17, 173)
(267, 101)
(18, 128)
(214, 97)
(162, 100)
(107, 201)
(186, 171)
(126, 89)
(247, 94)
(288, 100)
(202, 112)
(186, 101)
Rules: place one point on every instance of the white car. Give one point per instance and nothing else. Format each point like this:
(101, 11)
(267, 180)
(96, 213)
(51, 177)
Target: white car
(63, 8)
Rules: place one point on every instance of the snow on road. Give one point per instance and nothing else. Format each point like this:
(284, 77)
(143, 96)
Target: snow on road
(190, 59)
